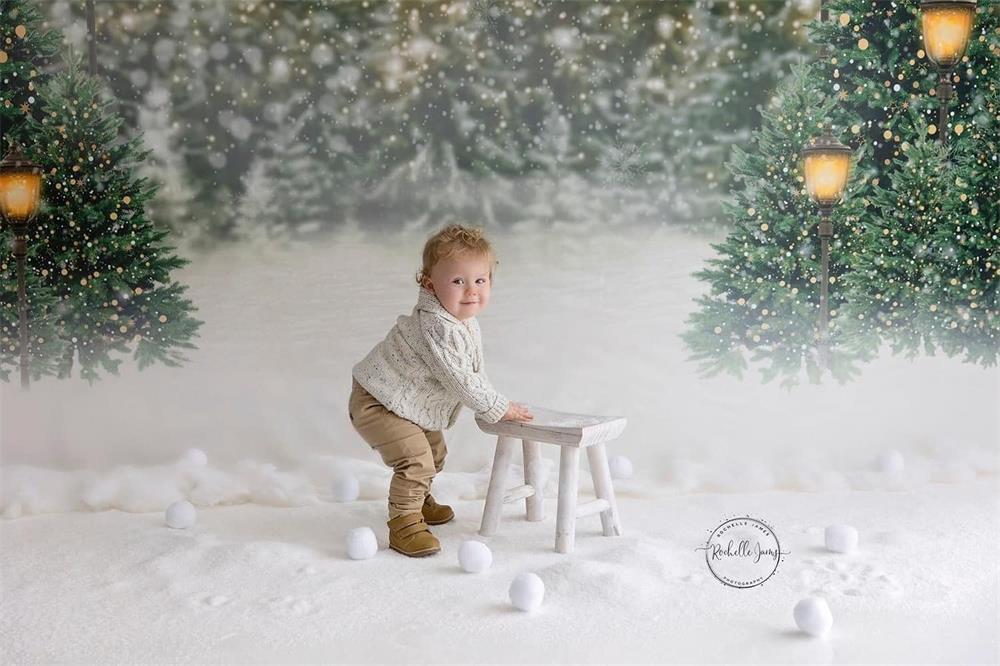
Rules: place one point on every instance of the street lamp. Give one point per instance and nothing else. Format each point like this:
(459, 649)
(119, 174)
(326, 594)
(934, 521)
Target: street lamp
(946, 25)
(827, 166)
(20, 186)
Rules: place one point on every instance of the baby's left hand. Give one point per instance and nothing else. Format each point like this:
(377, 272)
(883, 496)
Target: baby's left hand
(517, 412)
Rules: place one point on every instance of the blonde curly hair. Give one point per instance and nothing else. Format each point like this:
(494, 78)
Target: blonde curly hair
(455, 239)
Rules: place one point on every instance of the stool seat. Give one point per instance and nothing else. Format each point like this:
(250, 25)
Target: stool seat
(563, 428)
(571, 432)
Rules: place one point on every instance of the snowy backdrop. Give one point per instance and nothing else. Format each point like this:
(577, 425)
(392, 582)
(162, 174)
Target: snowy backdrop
(422, 113)
(584, 321)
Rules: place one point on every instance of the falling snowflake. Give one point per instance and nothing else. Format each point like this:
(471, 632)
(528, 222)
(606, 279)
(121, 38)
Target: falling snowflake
(623, 163)
(597, 77)
(487, 13)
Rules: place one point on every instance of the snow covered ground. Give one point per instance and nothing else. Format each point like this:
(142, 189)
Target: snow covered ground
(580, 321)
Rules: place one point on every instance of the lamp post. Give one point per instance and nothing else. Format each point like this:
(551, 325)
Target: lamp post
(20, 186)
(824, 16)
(827, 166)
(91, 37)
(946, 25)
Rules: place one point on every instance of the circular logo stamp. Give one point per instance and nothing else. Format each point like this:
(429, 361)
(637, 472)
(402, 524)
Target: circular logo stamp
(743, 552)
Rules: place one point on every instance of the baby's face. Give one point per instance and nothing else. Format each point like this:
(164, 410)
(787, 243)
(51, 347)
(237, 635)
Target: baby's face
(462, 284)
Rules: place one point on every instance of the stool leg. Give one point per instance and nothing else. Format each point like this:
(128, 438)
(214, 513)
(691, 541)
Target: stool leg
(533, 477)
(599, 471)
(569, 468)
(498, 486)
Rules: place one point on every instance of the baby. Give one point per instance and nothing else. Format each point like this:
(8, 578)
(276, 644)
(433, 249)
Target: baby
(412, 385)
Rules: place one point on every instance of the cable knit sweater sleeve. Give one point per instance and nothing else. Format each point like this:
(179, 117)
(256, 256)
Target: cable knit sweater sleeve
(452, 357)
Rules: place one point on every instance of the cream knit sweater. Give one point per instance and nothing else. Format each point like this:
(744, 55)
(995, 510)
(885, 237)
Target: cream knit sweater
(428, 366)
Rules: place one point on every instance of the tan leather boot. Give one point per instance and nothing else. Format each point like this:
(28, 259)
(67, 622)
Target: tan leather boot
(434, 513)
(409, 535)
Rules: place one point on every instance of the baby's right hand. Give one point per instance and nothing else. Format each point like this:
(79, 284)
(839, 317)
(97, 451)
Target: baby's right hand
(517, 412)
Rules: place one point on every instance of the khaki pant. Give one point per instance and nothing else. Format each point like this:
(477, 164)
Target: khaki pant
(414, 454)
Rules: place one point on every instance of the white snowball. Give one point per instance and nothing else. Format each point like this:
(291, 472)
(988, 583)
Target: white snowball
(891, 462)
(181, 515)
(841, 538)
(474, 556)
(812, 615)
(195, 457)
(527, 592)
(620, 466)
(361, 543)
(345, 489)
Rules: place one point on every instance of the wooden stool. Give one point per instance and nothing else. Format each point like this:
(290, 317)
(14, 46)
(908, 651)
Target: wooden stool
(572, 432)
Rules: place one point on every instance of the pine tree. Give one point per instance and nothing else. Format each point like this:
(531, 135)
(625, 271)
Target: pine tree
(877, 68)
(924, 276)
(175, 205)
(764, 283)
(923, 270)
(93, 243)
(256, 206)
(26, 50)
(445, 101)
(197, 76)
(287, 190)
(872, 64)
(556, 191)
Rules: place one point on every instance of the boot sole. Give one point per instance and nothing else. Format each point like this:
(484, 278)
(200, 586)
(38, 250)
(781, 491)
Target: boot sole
(440, 522)
(419, 553)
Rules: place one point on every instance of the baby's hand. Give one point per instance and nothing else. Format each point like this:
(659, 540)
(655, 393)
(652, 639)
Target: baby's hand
(517, 412)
